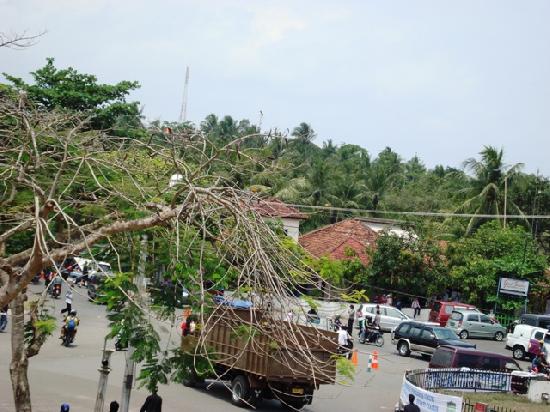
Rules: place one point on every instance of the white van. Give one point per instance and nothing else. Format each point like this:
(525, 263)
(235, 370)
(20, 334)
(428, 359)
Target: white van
(520, 339)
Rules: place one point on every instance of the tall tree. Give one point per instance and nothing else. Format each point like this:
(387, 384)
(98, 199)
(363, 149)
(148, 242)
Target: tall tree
(486, 193)
(68, 89)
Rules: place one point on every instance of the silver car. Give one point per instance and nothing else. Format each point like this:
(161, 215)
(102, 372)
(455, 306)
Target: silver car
(390, 317)
(469, 323)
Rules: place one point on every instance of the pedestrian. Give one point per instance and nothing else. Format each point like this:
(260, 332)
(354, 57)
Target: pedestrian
(389, 299)
(65, 407)
(113, 406)
(411, 407)
(68, 301)
(416, 307)
(344, 342)
(290, 316)
(3, 318)
(153, 403)
(351, 319)
(399, 304)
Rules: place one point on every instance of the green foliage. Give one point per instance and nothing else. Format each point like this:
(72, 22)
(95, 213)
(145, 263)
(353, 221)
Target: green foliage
(356, 296)
(345, 369)
(478, 261)
(407, 264)
(68, 89)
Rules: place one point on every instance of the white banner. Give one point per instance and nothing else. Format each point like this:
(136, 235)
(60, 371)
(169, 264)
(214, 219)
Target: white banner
(430, 401)
(516, 287)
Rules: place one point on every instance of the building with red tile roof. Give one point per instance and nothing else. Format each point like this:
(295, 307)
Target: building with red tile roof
(274, 209)
(335, 241)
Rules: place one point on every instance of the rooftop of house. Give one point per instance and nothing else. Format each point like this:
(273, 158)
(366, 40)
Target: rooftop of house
(272, 207)
(335, 240)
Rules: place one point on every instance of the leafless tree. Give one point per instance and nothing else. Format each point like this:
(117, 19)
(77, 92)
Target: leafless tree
(64, 188)
(19, 41)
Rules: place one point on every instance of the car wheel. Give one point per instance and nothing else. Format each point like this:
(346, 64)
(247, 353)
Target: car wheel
(499, 336)
(403, 349)
(463, 334)
(518, 352)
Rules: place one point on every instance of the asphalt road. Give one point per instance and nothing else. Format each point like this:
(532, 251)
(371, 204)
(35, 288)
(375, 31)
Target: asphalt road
(60, 374)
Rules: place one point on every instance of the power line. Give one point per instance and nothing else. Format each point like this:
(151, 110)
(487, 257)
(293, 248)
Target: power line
(432, 214)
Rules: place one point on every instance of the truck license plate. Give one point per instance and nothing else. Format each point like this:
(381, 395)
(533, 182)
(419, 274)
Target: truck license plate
(298, 391)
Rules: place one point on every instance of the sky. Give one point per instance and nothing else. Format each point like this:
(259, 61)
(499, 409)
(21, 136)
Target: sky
(435, 78)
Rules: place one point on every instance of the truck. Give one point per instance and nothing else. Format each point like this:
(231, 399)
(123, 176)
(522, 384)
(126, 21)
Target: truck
(247, 348)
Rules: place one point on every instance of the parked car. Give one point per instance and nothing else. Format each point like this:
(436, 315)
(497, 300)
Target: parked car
(441, 311)
(469, 323)
(411, 336)
(541, 321)
(390, 317)
(457, 357)
(521, 338)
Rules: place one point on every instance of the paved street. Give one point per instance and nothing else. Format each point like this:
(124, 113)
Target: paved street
(60, 374)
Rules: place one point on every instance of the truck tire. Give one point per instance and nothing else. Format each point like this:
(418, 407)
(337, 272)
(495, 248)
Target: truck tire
(518, 352)
(192, 378)
(241, 394)
(294, 405)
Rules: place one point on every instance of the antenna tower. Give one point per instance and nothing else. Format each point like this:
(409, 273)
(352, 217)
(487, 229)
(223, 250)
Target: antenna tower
(183, 112)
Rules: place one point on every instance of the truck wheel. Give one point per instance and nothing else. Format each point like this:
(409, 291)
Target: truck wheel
(294, 404)
(403, 349)
(192, 378)
(241, 395)
(518, 352)
(499, 336)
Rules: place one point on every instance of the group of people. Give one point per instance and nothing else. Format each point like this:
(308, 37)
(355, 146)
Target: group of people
(153, 403)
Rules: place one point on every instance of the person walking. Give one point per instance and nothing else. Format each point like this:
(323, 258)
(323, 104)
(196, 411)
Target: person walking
(3, 318)
(411, 407)
(153, 403)
(68, 301)
(416, 307)
(351, 319)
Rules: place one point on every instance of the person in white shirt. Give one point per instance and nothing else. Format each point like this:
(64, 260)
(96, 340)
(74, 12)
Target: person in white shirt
(416, 306)
(68, 301)
(344, 341)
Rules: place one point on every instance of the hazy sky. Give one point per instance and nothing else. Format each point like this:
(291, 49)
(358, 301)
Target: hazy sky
(436, 78)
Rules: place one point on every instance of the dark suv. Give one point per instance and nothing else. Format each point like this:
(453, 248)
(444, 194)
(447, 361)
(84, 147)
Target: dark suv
(424, 338)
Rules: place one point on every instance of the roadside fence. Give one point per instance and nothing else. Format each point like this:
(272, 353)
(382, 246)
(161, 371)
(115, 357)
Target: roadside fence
(467, 406)
(460, 379)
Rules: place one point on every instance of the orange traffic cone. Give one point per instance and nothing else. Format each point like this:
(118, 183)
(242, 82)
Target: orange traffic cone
(354, 358)
(375, 360)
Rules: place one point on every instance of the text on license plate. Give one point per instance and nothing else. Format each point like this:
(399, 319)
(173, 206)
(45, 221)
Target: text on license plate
(298, 391)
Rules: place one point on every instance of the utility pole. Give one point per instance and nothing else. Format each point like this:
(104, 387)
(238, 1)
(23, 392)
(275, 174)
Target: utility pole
(104, 371)
(183, 112)
(505, 197)
(129, 369)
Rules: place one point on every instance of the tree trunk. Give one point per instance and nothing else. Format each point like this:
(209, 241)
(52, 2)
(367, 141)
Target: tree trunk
(19, 361)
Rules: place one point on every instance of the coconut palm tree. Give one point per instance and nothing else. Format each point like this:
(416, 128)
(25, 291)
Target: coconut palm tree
(486, 194)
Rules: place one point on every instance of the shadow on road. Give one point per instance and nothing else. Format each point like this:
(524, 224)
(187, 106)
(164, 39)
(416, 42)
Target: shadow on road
(220, 391)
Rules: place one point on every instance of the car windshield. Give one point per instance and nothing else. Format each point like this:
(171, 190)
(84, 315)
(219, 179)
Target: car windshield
(444, 333)
(104, 268)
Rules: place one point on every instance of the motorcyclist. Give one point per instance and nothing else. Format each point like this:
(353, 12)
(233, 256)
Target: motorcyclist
(70, 324)
(55, 283)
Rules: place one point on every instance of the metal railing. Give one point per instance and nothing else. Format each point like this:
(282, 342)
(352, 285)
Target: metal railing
(467, 406)
(461, 379)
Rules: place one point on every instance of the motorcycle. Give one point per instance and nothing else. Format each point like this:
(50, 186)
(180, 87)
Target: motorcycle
(372, 336)
(68, 338)
(55, 290)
